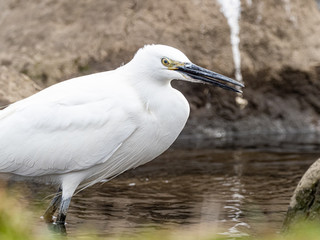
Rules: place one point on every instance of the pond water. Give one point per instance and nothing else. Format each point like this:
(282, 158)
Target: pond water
(235, 189)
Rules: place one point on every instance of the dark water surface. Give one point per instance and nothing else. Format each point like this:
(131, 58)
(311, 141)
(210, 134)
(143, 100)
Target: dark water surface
(237, 190)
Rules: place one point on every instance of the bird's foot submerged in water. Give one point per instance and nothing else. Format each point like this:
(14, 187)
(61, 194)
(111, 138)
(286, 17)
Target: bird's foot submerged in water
(58, 228)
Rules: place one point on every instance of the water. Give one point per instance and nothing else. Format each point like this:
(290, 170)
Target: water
(235, 192)
(231, 9)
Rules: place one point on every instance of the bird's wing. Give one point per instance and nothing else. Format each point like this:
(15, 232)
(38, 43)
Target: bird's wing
(54, 137)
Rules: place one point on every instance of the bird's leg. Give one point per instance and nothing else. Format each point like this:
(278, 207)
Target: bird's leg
(53, 206)
(62, 214)
(69, 185)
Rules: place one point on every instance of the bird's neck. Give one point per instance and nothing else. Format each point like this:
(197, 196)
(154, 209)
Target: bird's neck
(146, 84)
(165, 107)
(154, 92)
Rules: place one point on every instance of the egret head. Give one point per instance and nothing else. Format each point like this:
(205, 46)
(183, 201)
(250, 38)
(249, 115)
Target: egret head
(167, 63)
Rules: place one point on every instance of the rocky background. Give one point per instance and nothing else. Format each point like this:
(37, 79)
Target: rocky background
(43, 42)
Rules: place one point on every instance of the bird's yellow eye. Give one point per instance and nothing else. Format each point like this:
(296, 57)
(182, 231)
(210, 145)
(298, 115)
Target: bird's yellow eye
(165, 62)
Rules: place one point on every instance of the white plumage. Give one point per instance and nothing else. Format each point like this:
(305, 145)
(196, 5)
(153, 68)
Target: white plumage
(83, 130)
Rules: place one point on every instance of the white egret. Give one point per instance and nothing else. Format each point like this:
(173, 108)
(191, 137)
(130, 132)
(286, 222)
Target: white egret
(80, 131)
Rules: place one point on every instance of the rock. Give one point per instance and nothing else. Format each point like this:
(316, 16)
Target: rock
(51, 41)
(15, 86)
(305, 202)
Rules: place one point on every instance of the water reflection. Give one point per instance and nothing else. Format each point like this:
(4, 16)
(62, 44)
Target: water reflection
(237, 188)
(237, 192)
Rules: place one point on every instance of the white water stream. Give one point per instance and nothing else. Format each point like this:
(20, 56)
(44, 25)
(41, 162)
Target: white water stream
(231, 9)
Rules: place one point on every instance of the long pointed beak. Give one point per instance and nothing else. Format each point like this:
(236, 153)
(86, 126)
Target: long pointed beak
(208, 76)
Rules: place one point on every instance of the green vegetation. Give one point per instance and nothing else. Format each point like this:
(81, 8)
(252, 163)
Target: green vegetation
(14, 225)
(13, 220)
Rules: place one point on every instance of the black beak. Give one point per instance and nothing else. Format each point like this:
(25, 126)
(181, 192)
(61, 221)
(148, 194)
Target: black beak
(208, 76)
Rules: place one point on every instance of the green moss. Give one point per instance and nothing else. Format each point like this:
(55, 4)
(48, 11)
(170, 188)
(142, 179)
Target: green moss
(307, 207)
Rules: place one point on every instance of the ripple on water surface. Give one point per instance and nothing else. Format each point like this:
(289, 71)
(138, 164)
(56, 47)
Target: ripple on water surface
(238, 192)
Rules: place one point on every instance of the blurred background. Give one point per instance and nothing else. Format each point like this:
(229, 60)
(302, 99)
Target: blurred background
(273, 46)
(276, 50)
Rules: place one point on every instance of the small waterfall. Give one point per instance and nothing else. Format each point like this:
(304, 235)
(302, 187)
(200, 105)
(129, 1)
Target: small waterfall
(231, 9)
